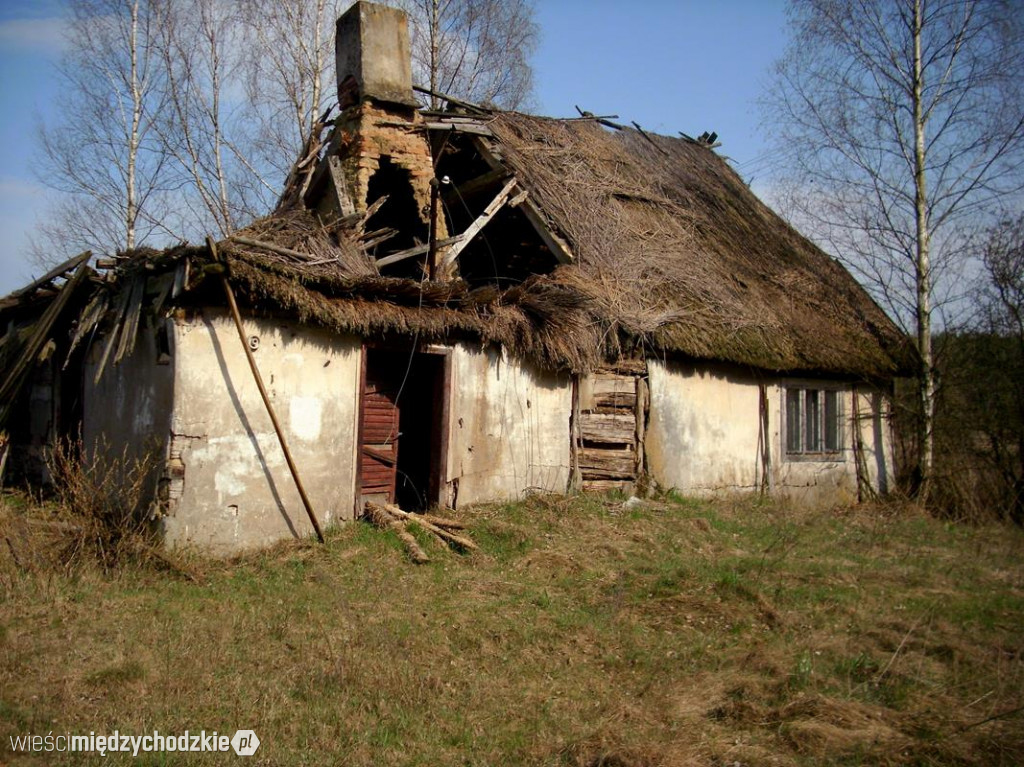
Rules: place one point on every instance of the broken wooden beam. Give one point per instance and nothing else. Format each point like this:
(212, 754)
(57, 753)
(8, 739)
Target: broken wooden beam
(482, 220)
(451, 524)
(647, 136)
(17, 375)
(372, 239)
(419, 250)
(558, 247)
(281, 251)
(50, 276)
(115, 331)
(381, 519)
(458, 540)
(130, 324)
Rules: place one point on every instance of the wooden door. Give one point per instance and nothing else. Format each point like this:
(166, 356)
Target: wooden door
(379, 458)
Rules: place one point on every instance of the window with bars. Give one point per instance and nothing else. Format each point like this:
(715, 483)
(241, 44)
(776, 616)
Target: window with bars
(814, 422)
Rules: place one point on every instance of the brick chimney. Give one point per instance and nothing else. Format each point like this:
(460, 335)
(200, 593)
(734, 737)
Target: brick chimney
(381, 148)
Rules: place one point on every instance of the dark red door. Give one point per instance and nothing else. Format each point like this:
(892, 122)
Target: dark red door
(380, 439)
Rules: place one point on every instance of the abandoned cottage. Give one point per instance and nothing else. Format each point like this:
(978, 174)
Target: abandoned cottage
(460, 305)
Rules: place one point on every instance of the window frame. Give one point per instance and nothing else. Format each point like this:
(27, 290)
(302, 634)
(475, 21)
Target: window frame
(821, 392)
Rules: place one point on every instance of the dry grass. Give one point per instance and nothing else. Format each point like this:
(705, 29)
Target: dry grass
(583, 633)
(102, 500)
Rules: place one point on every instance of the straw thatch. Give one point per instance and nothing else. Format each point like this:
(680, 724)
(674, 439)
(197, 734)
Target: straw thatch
(673, 256)
(678, 251)
(525, 320)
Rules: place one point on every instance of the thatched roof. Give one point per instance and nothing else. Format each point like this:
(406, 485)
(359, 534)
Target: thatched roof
(676, 249)
(671, 255)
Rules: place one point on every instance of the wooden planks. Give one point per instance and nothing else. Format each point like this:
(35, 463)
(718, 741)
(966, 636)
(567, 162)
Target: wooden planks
(379, 454)
(610, 436)
(609, 428)
(602, 463)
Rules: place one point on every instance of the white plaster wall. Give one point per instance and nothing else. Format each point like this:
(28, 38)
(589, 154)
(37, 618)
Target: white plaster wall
(702, 433)
(875, 419)
(703, 437)
(235, 490)
(509, 429)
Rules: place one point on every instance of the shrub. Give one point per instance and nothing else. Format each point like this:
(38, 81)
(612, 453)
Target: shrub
(105, 497)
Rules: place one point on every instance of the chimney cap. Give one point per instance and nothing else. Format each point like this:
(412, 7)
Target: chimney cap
(371, 47)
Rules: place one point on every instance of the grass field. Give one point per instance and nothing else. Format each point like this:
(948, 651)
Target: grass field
(676, 632)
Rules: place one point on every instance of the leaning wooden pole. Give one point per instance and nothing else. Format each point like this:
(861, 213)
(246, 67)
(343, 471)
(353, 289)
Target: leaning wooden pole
(263, 389)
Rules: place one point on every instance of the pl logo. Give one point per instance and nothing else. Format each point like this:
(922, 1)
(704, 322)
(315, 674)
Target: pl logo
(245, 742)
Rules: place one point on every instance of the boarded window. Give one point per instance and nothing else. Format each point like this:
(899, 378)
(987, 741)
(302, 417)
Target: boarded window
(794, 443)
(831, 421)
(813, 420)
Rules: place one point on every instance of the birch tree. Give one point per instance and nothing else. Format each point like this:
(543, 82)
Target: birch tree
(103, 155)
(289, 74)
(203, 134)
(899, 121)
(474, 49)
(182, 117)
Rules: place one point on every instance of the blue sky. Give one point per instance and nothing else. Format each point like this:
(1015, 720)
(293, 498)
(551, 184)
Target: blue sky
(670, 65)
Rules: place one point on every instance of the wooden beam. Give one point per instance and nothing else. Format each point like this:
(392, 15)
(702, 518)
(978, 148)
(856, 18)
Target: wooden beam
(609, 428)
(233, 306)
(558, 247)
(596, 463)
(482, 220)
(115, 331)
(419, 250)
(19, 372)
(477, 185)
(452, 100)
(612, 391)
(130, 325)
(574, 438)
(477, 129)
(57, 271)
(269, 246)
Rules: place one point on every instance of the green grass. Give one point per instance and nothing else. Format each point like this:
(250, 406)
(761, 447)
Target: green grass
(582, 633)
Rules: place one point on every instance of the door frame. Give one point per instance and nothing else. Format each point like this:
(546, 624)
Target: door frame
(441, 416)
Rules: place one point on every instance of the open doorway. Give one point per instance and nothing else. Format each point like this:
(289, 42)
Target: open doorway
(403, 435)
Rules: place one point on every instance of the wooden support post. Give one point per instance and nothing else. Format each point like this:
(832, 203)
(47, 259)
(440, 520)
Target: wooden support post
(640, 414)
(865, 492)
(433, 267)
(263, 391)
(764, 438)
(575, 481)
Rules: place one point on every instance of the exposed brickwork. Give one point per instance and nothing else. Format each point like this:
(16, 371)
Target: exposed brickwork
(376, 130)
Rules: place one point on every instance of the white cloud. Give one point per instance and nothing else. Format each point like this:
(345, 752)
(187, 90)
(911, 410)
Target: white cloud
(43, 35)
